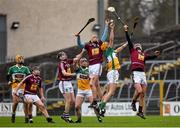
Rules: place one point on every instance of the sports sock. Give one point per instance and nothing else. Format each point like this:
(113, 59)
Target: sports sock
(102, 105)
(140, 108)
(134, 101)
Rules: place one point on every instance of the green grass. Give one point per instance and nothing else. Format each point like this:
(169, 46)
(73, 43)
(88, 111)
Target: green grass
(151, 121)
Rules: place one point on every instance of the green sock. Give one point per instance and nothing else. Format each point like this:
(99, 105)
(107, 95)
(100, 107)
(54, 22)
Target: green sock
(102, 105)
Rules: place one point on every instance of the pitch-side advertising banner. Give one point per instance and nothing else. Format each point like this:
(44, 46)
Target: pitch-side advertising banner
(112, 109)
(171, 108)
(6, 109)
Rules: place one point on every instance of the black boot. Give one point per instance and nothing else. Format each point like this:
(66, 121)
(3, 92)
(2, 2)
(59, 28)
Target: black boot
(13, 118)
(50, 120)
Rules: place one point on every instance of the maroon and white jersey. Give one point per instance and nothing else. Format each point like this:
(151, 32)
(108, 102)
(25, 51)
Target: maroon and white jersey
(94, 52)
(32, 84)
(65, 65)
(138, 60)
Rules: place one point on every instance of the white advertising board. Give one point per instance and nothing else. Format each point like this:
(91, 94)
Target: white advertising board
(171, 108)
(112, 109)
(6, 109)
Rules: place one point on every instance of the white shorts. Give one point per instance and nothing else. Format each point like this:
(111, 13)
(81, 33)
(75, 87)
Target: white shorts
(20, 91)
(95, 69)
(139, 77)
(65, 87)
(34, 98)
(113, 77)
(84, 93)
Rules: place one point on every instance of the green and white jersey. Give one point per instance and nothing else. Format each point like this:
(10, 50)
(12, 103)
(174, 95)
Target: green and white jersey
(112, 59)
(83, 78)
(18, 73)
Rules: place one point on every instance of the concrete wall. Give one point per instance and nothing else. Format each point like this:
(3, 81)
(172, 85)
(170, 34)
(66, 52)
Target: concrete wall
(46, 25)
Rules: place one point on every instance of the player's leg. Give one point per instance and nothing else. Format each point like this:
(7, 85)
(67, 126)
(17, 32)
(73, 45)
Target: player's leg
(72, 104)
(108, 95)
(142, 94)
(94, 73)
(68, 101)
(66, 89)
(138, 91)
(142, 101)
(25, 105)
(16, 100)
(42, 108)
(96, 110)
(29, 103)
(26, 111)
(136, 77)
(112, 77)
(68, 94)
(99, 90)
(78, 103)
(98, 74)
(94, 91)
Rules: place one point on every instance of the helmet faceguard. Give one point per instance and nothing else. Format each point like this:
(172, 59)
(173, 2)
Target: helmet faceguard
(62, 55)
(83, 62)
(36, 71)
(138, 46)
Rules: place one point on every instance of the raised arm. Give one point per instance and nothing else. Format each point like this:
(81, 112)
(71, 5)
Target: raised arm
(150, 57)
(105, 32)
(127, 37)
(79, 42)
(77, 58)
(119, 49)
(111, 37)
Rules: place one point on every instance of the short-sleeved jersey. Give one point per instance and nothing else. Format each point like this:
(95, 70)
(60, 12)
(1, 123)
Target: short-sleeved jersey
(17, 74)
(83, 78)
(32, 84)
(95, 52)
(64, 65)
(112, 59)
(138, 60)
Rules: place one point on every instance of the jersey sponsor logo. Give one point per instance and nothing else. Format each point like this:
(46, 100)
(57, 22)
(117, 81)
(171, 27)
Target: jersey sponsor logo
(141, 57)
(95, 51)
(33, 87)
(82, 76)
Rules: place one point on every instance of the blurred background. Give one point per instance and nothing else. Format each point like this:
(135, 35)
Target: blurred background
(39, 29)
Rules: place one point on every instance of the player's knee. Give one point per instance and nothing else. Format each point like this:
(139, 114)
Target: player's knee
(142, 95)
(111, 93)
(15, 100)
(77, 107)
(29, 102)
(72, 102)
(68, 101)
(139, 90)
(42, 106)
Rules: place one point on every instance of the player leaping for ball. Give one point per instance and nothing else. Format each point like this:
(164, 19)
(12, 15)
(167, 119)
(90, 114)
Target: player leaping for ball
(95, 54)
(138, 58)
(113, 66)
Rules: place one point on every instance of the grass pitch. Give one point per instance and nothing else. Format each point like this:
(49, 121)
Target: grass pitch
(151, 121)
